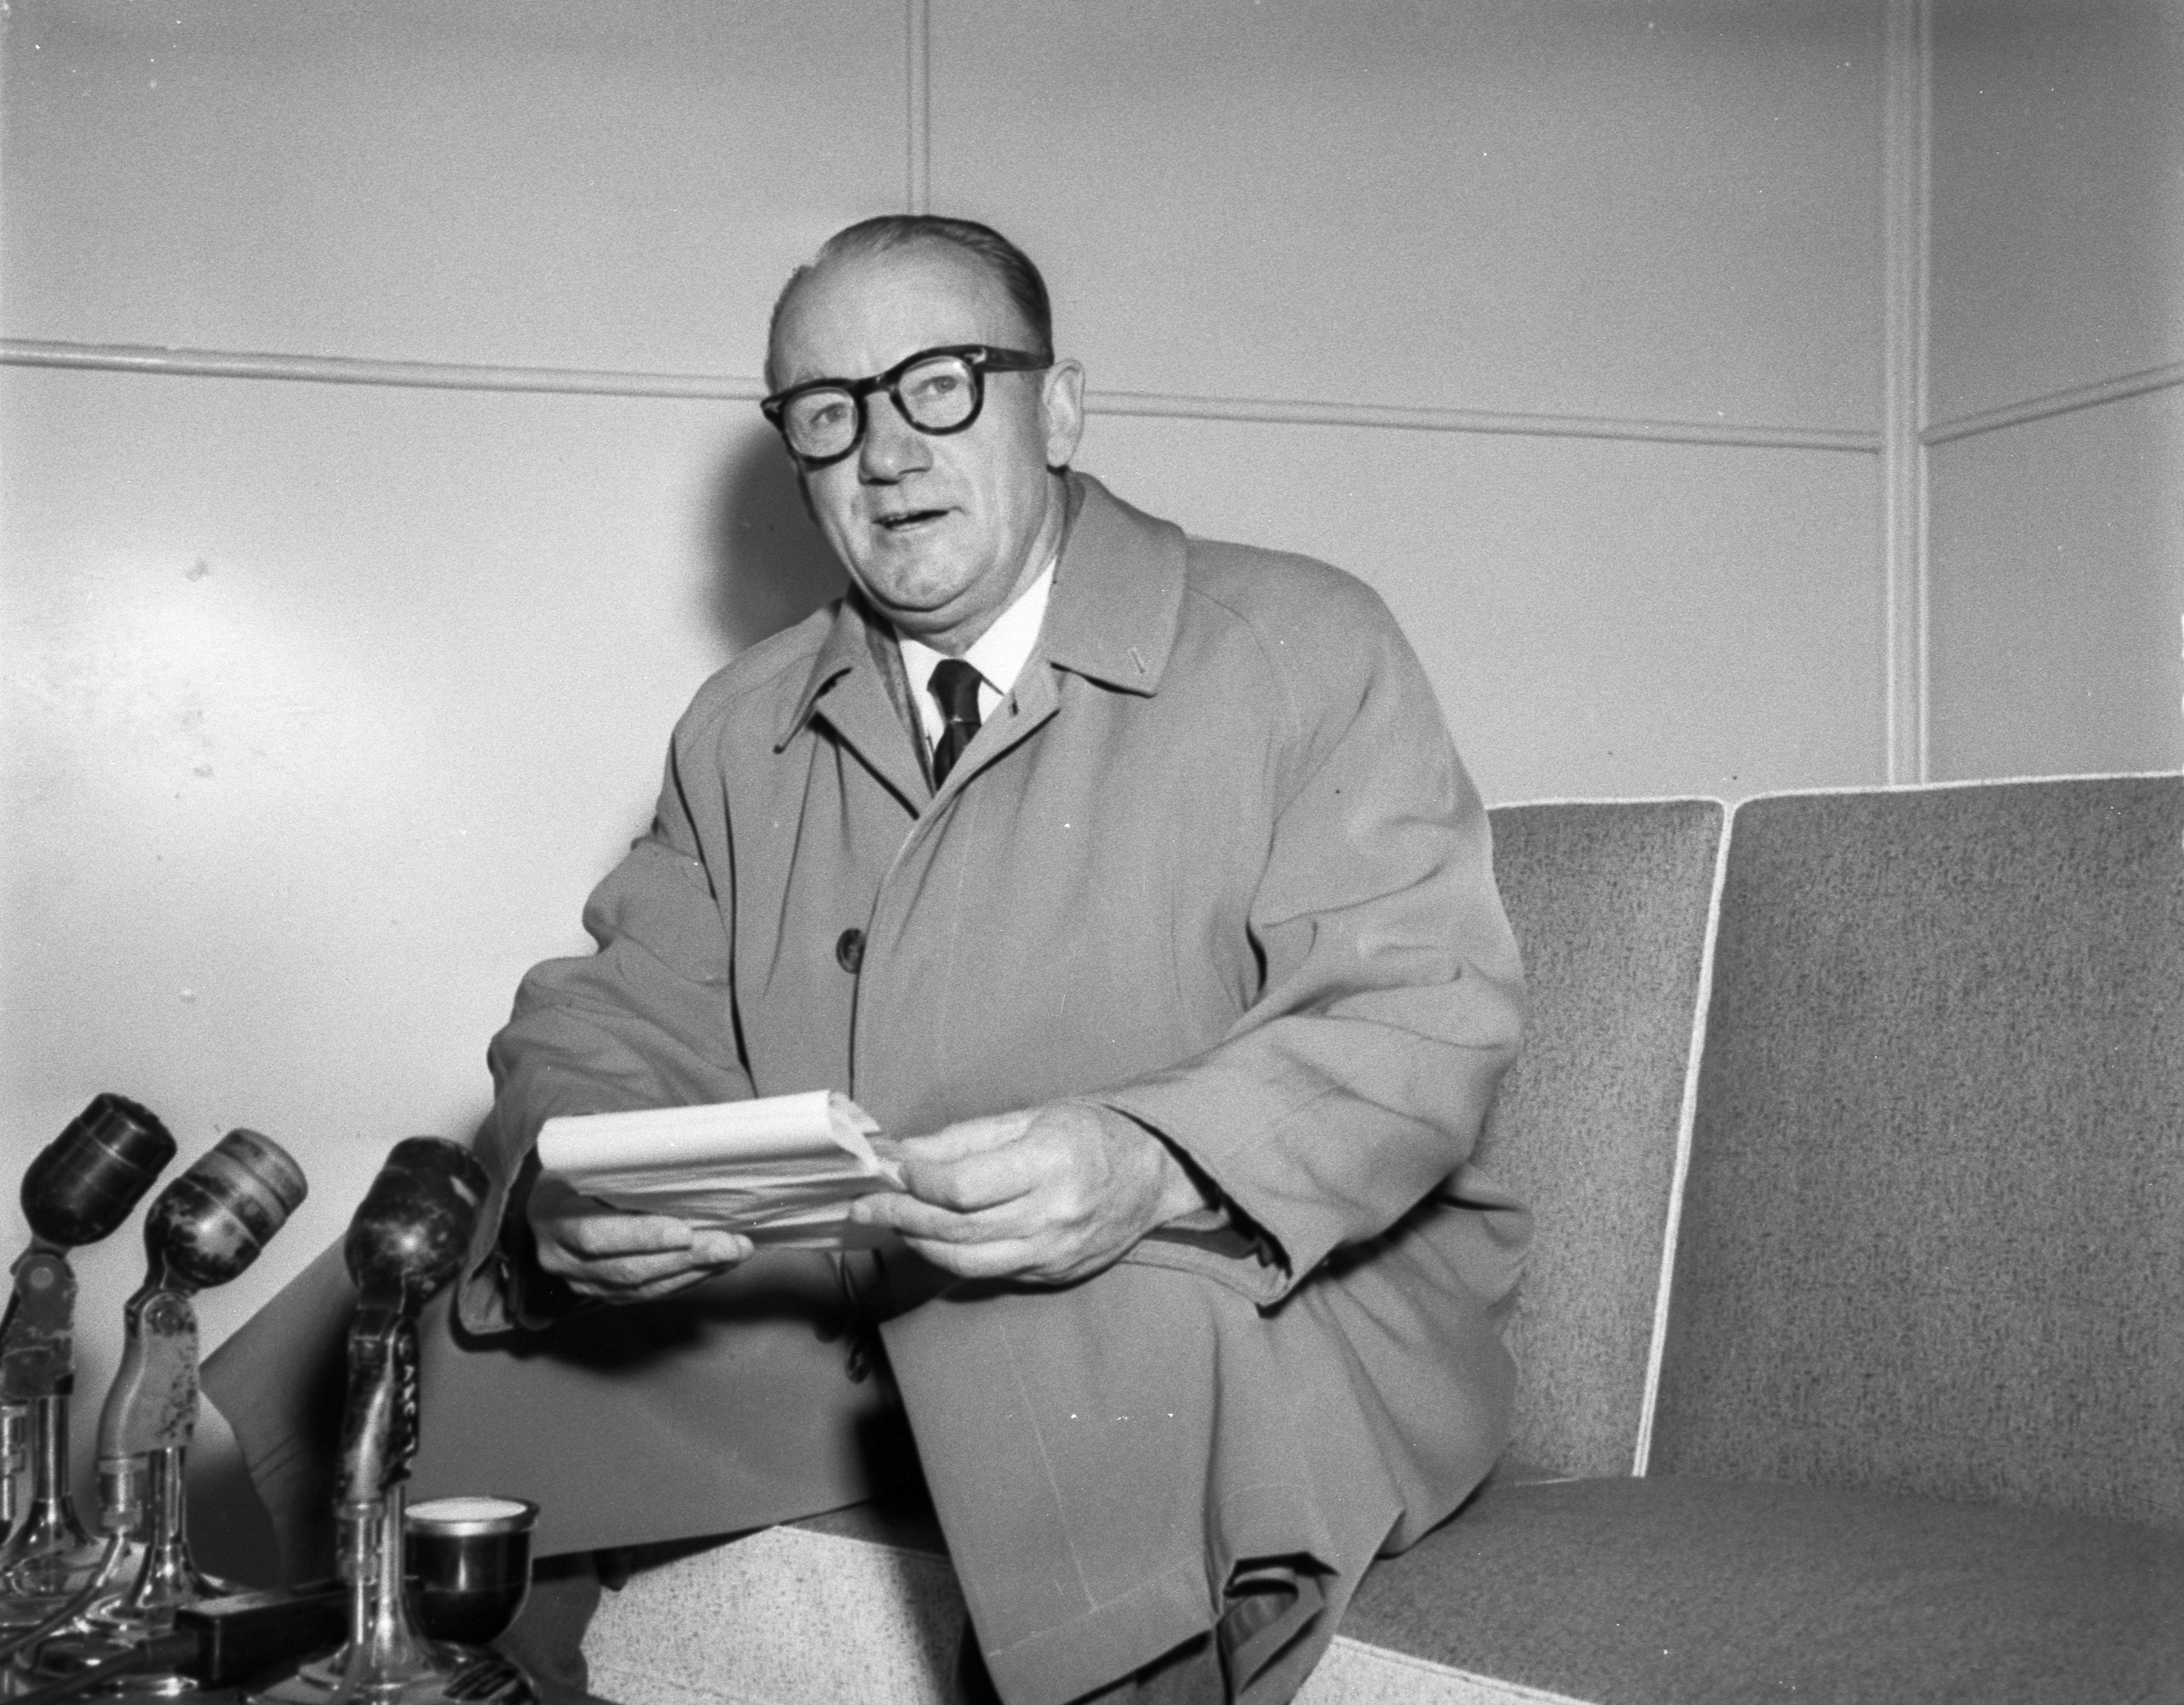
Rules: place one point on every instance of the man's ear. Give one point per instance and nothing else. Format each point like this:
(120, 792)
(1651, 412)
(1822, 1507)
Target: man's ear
(1061, 396)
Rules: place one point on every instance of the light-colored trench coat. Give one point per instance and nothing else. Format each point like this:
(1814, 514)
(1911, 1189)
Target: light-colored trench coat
(1213, 864)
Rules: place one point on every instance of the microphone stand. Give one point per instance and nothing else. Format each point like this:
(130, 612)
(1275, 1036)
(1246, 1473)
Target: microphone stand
(405, 1243)
(79, 1189)
(15, 1452)
(205, 1229)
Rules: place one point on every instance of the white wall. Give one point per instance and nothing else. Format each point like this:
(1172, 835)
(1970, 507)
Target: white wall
(2058, 354)
(1606, 215)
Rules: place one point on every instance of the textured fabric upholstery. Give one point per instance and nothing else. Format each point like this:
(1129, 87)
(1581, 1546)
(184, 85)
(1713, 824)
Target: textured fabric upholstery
(1933, 1234)
(1610, 902)
(1675, 1591)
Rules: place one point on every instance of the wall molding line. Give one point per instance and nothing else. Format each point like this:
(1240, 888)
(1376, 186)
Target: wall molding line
(1906, 249)
(2054, 403)
(345, 369)
(918, 59)
(1489, 420)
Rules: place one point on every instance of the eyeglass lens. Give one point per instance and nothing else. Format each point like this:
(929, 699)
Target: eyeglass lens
(935, 396)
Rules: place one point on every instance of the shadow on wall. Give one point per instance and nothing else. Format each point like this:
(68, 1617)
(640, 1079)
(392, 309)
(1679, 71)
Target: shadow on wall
(771, 568)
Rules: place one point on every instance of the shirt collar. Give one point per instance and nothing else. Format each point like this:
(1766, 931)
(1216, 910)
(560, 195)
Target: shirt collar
(999, 655)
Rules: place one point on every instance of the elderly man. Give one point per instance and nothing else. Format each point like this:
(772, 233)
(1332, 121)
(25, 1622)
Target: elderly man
(1131, 882)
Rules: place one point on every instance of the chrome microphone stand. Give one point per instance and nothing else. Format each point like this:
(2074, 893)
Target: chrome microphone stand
(79, 1189)
(406, 1242)
(204, 1229)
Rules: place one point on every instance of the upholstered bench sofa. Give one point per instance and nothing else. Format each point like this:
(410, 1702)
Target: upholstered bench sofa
(1852, 1350)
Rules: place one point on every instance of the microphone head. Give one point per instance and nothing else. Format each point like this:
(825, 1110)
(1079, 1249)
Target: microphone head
(414, 1223)
(209, 1224)
(83, 1184)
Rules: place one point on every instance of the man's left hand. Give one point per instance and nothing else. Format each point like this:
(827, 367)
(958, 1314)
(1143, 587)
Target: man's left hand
(1051, 1194)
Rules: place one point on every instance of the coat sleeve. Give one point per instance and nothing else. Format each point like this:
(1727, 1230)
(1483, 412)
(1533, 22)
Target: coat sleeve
(647, 1021)
(1392, 999)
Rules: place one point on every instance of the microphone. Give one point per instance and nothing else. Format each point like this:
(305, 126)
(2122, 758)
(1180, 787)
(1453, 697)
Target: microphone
(208, 1225)
(86, 1182)
(79, 1189)
(408, 1233)
(205, 1229)
(405, 1243)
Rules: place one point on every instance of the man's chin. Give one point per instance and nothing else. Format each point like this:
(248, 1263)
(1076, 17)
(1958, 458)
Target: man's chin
(914, 590)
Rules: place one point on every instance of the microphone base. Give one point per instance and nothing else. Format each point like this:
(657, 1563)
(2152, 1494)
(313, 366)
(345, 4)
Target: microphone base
(459, 1676)
(62, 1655)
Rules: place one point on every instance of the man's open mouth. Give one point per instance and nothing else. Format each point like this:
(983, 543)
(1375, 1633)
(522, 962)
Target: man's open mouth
(907, 520)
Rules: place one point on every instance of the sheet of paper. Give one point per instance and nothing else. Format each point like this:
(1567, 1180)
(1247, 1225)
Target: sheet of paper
(783, 1170)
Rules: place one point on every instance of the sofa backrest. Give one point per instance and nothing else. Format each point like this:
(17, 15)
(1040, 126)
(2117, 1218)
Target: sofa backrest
(1610, 903)
(1932, 1235)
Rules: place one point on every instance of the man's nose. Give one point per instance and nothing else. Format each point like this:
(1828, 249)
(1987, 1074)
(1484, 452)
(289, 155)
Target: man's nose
(892, 446)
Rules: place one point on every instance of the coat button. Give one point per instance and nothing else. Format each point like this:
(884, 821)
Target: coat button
(849, 950)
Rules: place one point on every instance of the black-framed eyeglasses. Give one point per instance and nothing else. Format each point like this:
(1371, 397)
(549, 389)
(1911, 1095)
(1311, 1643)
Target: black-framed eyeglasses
(937, 391)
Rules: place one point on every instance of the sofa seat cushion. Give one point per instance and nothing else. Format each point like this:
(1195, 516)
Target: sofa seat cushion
(1686, 1592)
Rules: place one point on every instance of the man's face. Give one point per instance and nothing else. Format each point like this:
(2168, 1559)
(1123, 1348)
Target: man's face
(937, 530)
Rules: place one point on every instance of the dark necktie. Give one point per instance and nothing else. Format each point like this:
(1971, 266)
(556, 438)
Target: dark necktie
(955, 689)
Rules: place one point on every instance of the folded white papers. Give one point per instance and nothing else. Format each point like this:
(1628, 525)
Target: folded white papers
(781, 1171)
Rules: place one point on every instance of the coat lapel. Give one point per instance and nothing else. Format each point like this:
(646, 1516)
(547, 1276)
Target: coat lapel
(856, 688)
(1117, 593)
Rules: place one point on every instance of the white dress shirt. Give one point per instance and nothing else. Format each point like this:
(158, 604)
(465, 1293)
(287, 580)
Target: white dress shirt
(998, 655)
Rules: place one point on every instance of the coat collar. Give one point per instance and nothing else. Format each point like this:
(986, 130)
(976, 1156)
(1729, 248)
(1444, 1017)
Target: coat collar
(856, 682)
(1117, 592)
(1117, 603)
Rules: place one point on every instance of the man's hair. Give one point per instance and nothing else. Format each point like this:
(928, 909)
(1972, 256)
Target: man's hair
(1009, 266)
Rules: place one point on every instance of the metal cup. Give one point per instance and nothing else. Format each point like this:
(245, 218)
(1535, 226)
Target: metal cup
(468, 1566)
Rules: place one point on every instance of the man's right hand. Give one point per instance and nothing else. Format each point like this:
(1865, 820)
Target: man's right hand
(603, 1252)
